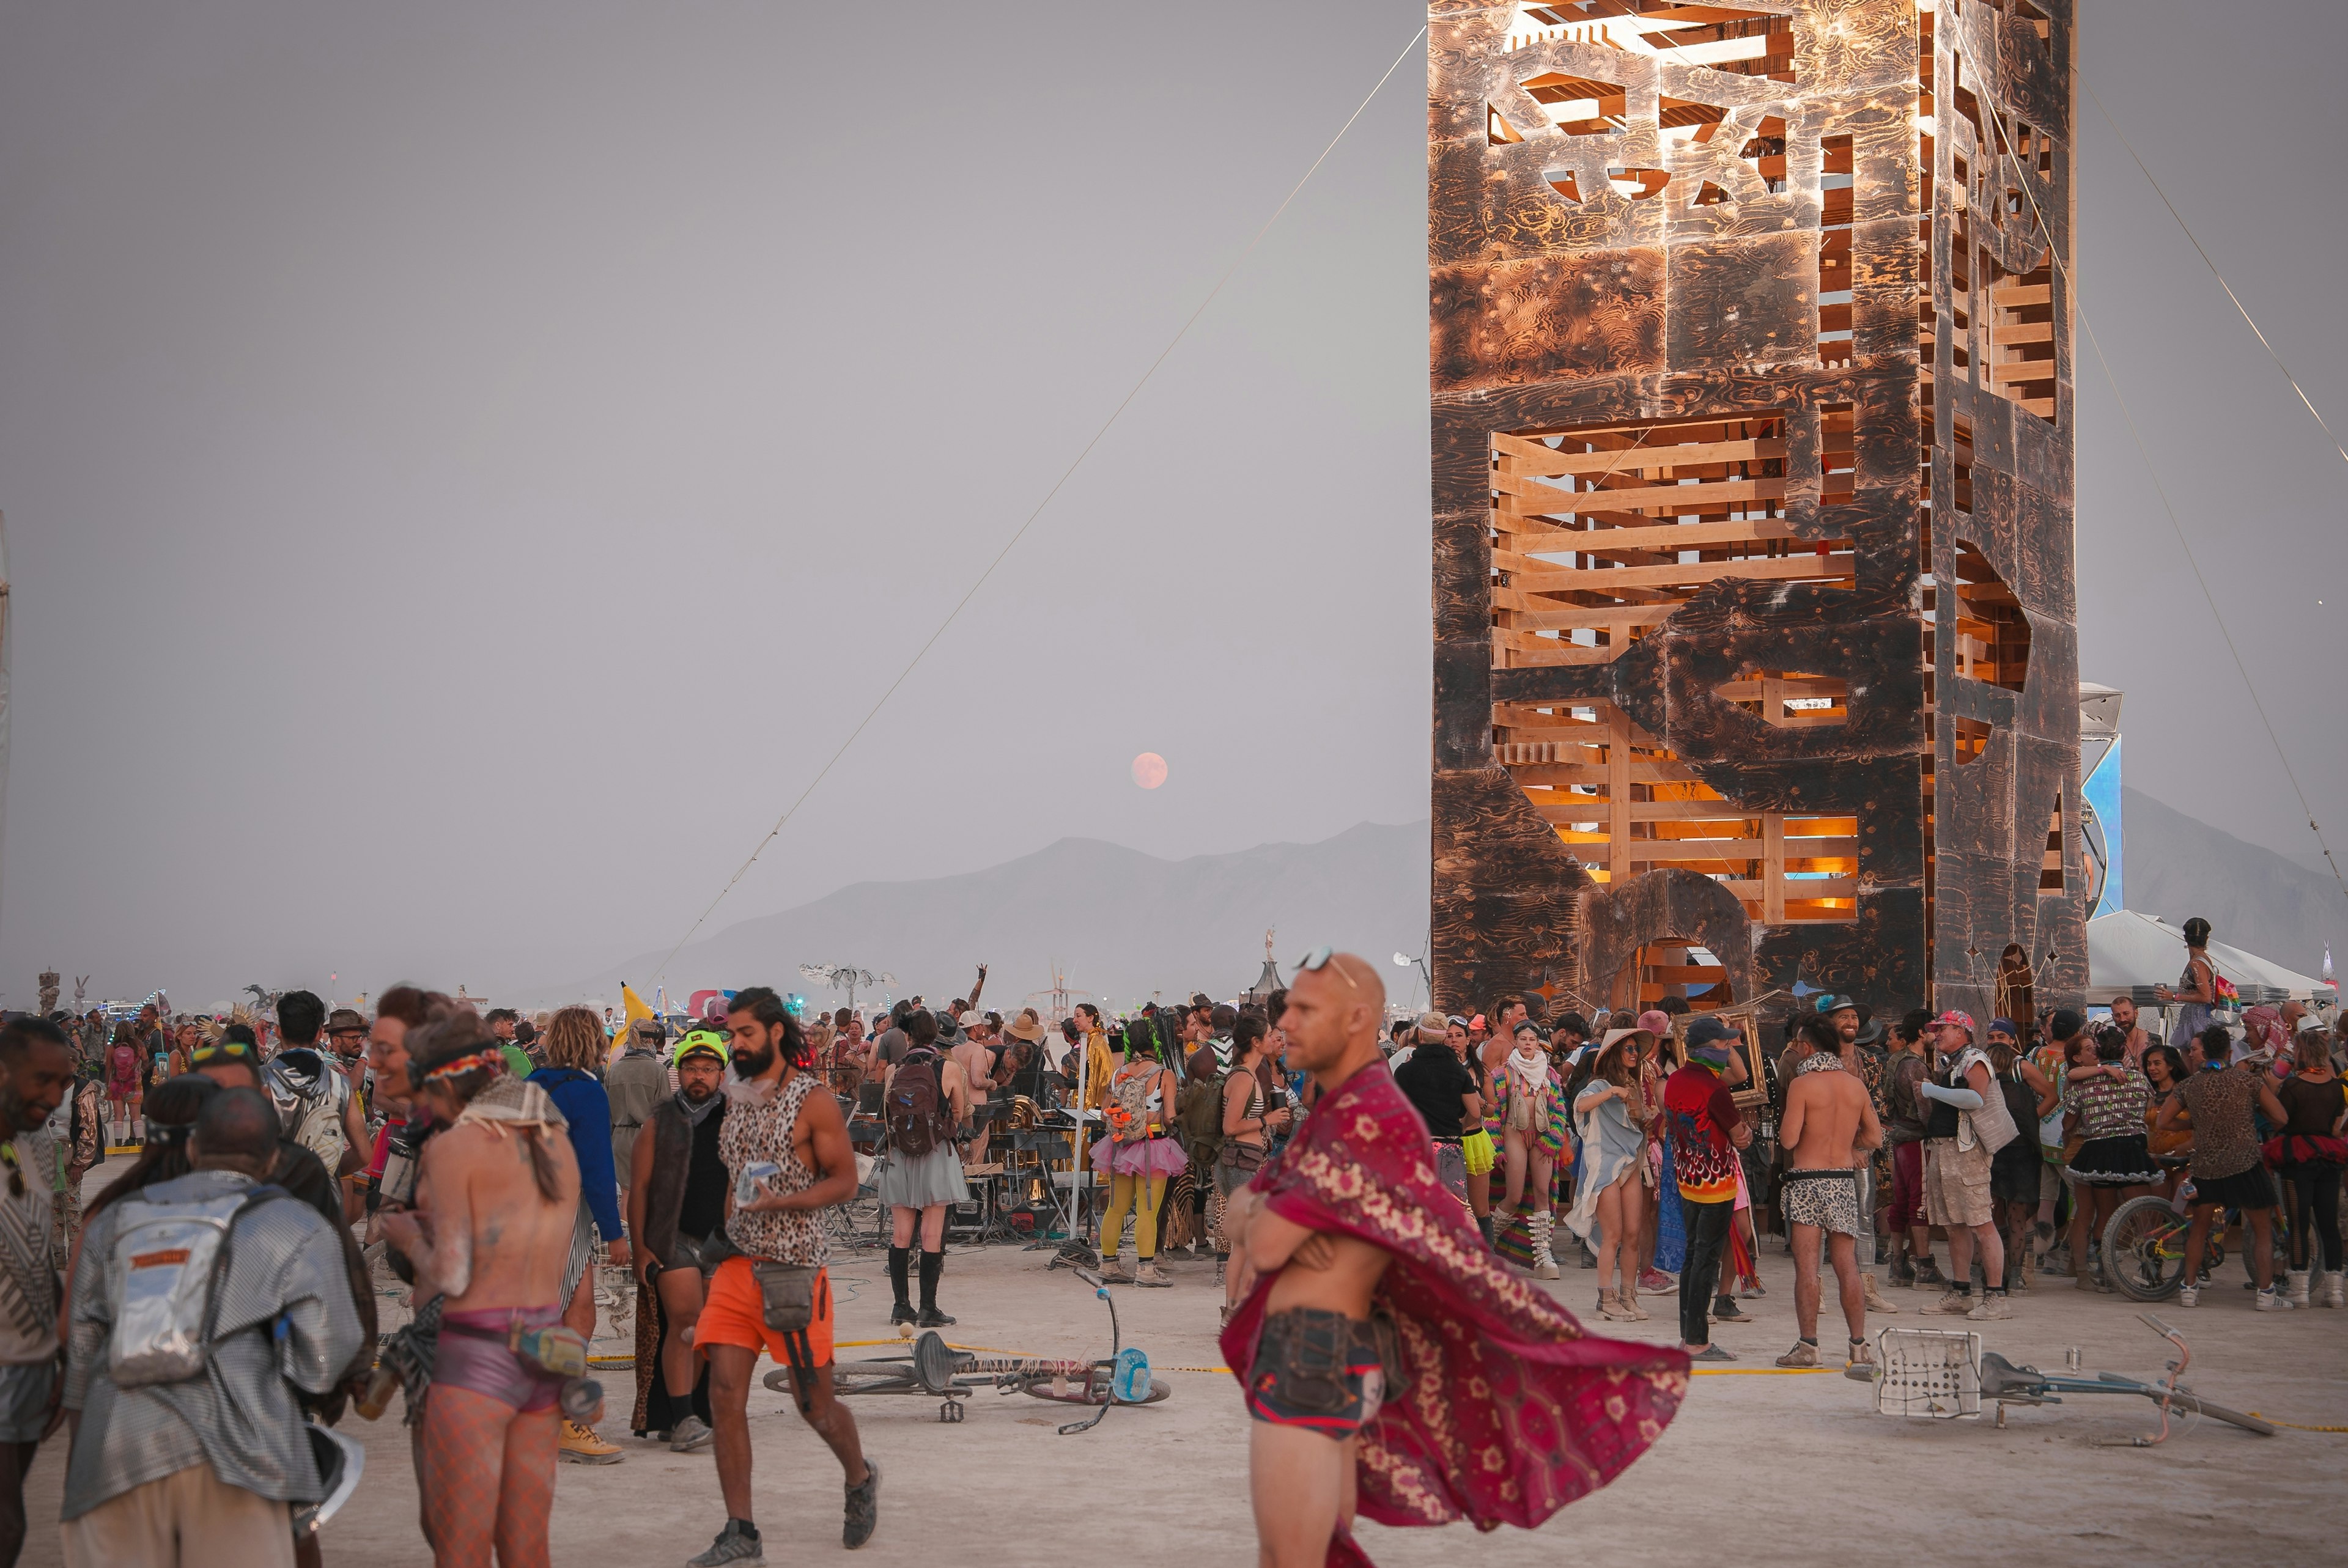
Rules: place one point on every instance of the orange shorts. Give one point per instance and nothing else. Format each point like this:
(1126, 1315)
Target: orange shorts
(734, 1312)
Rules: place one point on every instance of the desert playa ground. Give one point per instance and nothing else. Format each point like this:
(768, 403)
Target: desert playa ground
(1760, 1468)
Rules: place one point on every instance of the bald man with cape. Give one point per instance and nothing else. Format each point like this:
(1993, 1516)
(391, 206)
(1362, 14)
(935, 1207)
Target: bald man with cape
(1496, 1407)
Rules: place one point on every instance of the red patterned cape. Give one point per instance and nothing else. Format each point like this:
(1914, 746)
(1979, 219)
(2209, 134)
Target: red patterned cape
(1507, 1410)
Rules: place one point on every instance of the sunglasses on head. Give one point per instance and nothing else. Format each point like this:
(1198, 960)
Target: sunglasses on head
(234, 1050)
(1318, 960)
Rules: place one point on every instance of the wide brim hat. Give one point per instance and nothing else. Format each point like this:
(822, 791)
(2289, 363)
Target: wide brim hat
(1027, 1027)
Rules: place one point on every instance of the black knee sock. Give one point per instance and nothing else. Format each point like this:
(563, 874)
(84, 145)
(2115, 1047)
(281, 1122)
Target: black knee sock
(900, 1259)
(933, 1263)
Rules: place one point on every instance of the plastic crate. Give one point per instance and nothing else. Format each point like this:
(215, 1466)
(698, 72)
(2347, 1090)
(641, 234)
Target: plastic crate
(1933, 1374)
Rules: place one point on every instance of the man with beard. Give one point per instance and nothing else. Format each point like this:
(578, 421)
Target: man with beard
(2123, 1018)
(787, 1157)
(676, 1206)
(1864, 1059)
(36, 1067)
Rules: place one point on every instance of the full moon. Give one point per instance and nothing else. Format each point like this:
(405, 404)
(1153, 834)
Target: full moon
(1149, 770)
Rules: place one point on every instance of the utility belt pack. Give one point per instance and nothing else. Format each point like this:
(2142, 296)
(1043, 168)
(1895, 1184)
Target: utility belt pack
(786, 1297)
(786, 1301)
(549, 1349)
(785, 1290)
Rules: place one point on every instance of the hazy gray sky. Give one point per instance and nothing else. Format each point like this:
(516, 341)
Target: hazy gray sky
(467, 467)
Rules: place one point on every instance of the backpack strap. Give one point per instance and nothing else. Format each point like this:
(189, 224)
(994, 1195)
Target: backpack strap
(263, 1192)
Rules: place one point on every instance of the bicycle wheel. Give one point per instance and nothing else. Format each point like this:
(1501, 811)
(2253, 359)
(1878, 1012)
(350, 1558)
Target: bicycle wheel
(2246, 1422)
(857, 1378)
(2144, 1248)
(1094, 1391)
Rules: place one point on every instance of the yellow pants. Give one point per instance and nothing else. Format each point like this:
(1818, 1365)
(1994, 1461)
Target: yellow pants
(1141, 1194)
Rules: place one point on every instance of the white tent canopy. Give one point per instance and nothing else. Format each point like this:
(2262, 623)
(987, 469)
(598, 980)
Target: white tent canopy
(2127, 949)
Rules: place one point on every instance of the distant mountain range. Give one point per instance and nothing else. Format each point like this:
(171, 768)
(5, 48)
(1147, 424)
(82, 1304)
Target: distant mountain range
(1118, 923)
(2179, 867)
(1122, 925)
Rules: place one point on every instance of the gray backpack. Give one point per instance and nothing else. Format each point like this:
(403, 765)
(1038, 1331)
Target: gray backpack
(168, 1260)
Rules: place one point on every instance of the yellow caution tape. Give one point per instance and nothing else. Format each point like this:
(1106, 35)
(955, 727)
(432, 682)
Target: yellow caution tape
(2294, 1426)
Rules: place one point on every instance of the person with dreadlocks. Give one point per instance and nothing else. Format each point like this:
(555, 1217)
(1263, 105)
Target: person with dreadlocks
(496, 1197)
(787, 1154)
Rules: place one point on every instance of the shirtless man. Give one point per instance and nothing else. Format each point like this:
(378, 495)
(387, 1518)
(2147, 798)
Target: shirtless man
(496, 1197)
(780, 1114)
(1828, 1127)
(1301, 1459)
(2123, 1018)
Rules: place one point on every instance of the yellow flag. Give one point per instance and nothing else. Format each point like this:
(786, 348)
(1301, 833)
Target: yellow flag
(631, 1008)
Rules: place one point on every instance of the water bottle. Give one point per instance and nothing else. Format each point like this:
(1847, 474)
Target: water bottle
(377, 1397)
(582, 1400)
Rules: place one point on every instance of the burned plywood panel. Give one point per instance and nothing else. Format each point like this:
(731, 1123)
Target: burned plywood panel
(1728, 305)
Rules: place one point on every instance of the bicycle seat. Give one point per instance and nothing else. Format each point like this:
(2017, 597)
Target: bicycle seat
(2002, 1379)
(934, 1362)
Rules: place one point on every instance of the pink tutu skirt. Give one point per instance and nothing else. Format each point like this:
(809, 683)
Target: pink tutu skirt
(1151, 1157)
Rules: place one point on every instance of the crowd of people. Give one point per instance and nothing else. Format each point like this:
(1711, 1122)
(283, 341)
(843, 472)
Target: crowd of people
(203, 1338)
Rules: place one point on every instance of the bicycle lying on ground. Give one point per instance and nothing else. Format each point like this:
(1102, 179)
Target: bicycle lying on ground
(932, 1367)
(2003, 1381)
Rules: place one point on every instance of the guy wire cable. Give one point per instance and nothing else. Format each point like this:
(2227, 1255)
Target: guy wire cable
(2004, 150)
(1021, 532)
(2308, 403)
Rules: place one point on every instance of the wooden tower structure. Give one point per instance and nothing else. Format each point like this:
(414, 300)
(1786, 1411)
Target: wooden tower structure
(1755, 665)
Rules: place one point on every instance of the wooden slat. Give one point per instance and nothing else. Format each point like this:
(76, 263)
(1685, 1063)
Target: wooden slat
(2022, 332)
(2013, 296)
(1619, 620)
(1511, 598)
(1556, 774)
(1530, 457)
(1660, 536)
(1535, 499)
(1606, 579)
(1531, 652)
(2018, 370)
(1809, 887)
(1689, 810)
(1526, 715)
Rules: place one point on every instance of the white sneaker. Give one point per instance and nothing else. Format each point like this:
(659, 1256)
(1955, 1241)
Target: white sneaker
(2273, 1300)
(2188, 1295)
(1993, 1305)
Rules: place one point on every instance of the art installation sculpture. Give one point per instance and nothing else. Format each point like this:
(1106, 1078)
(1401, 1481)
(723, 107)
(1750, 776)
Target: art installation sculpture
(1756, 662)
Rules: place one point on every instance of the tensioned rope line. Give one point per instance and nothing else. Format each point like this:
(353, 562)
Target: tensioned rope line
(2021, 178)
(2308, 402)
(1021, 532)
